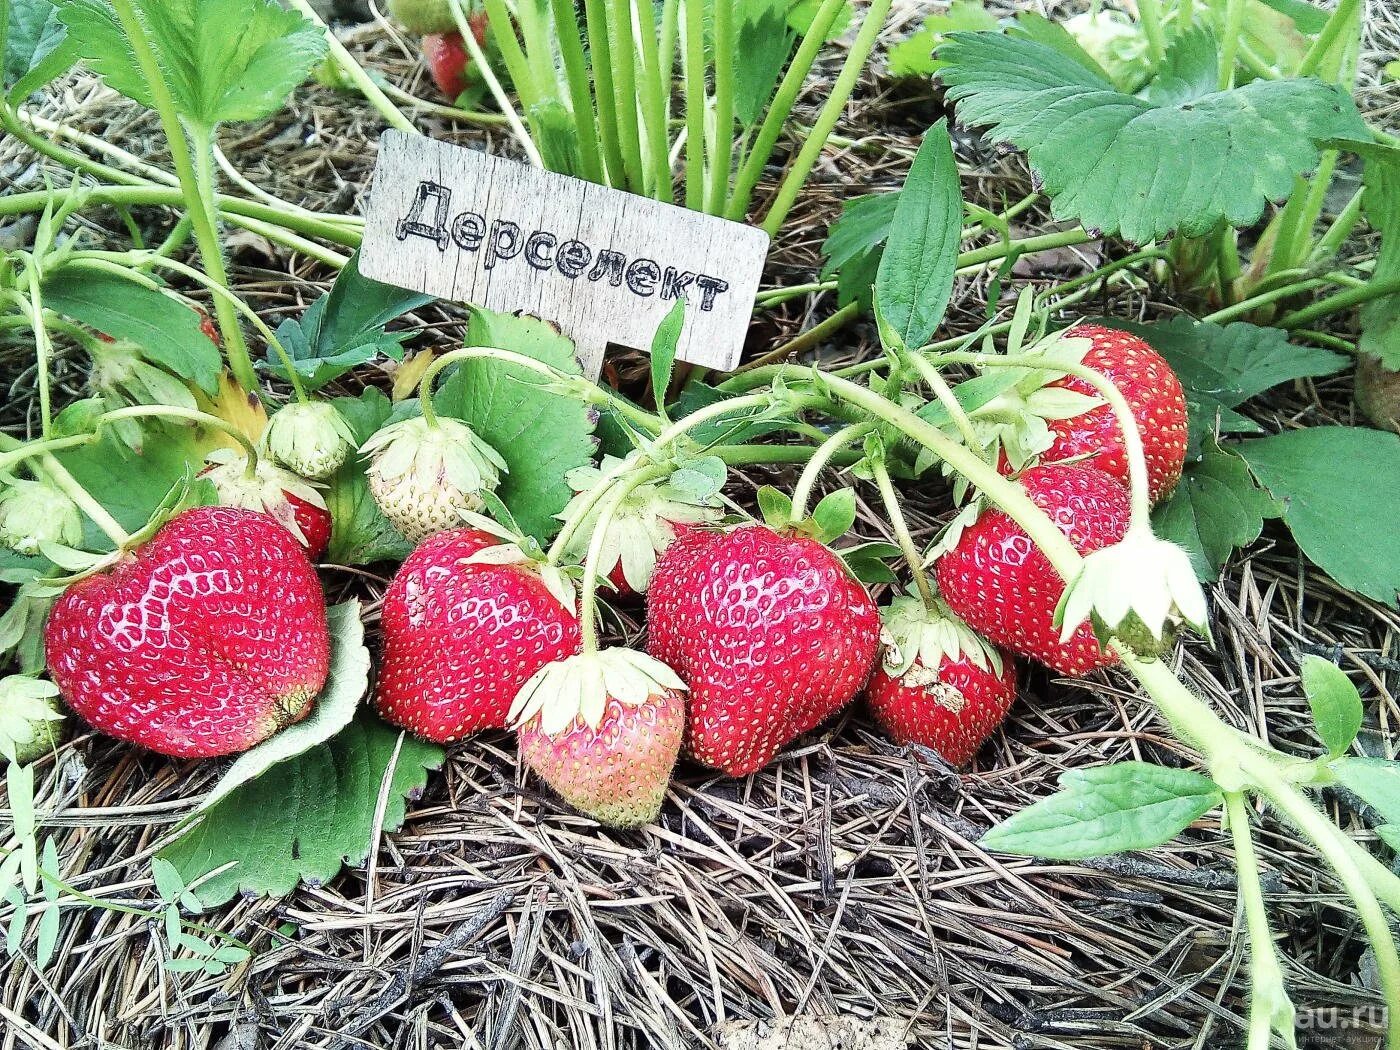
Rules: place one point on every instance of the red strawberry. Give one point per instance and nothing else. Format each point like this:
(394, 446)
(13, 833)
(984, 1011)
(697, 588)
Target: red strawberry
(770, 632)
(462, 636)
(448, 59)
(202, 642)
(604, 729)
(314, 523)
(939, 684)
(288, 498)
(1152, 391)
(1003, 585)
(207, 325)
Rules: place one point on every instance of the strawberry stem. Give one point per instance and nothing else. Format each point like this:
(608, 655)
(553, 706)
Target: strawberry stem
(912, 556)
(84, 501)
(588, 598)
(807, 480)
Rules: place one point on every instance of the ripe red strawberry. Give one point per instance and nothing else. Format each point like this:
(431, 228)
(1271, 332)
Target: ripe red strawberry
(939, 684)
(603, 729)
(448, 59)
(1004, 587)
(1152, 391)
(462, 636)
(202, 642)
(770, 632)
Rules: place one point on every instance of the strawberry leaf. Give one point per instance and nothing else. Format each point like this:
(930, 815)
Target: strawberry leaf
(1376, 781)
(1336, 705)
(1340, 491)
(360, 533)
(913, 56)
(1380, 318)
(1215, 509)
(37, 47)
(541, 435)
(335, 706)
(223, 60)
(1105, 810)
(305, 817)
(1123, 164)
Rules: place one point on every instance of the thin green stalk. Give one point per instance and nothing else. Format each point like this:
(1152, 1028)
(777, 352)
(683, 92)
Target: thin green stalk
(1352, 297)
(343, 59)
(1336, 234)
(588, 598)
(600, 49)
(841, 90)
(1151, 14)
(1338, 22)
(12, 457)
(722, 153)
(653, 93)
(807, 480)
(467, 116)
(95, 512)
(774, 121)
(1230, 45)
(913, 557)
(581, 97)
(930, 374)
(1255, 302)
(41, 347)
(1266, 976)
(811, 337)
(501, 26)
(666, 59)
(191, 415)
(694, 104)
(539, 51)
(493, 85)
(196, 181)
(624, 80)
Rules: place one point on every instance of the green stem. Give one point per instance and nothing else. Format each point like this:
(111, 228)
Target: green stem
(191, 415)
(653, 92)
(12, 457)
(722, 156)
(600, 50)
(493, 85)
(352, 69)
(694, 104)
(97, 513)
(42, 347)
(1230, 45)
(841, 90)
(1266, 976)
(1333, 237)
(502, 29)
(1352, 297)
(466, 116)
(1151, 13)
(581, 98)
(775, 120)
(624, 80)
(1342, 16)
(588, 598)
(806, 482)
(912, 556)
(930, 374)
(803, 340)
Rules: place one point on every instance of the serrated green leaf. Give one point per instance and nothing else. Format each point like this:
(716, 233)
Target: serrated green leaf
(1215, 509)
(1105, 810)
(360, 533)
(334, 708)
(913, 56)
(541, 435)
(37, 48)
(223, 60)
(1340, 491)
(304, 817)
(1120, 164)
(1375, 780)
(864, 225)
(1336, 705)
(765, 41)
(167, 330)
(915, 278)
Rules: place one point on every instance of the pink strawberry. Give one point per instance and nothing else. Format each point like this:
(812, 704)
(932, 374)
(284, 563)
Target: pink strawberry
(461, 636)
(939, 684)
(202, 642)
(604, 729)
(770, 632)
(448, 60)
(1154, 394)
(1003, 585)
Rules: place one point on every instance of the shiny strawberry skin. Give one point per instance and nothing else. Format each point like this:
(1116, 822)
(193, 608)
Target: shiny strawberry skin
(953, 715)
(618, 772)
(769, 631)
(1154, 394)
(203, 642)
(448, 59)
(461, 639)
(315, 525)
(1004, 586)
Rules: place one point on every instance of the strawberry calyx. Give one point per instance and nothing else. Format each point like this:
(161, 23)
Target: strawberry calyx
(35, 514)
(265, 487)
(31, 718)
(913, 633)
(1138, 590)
(578, 688)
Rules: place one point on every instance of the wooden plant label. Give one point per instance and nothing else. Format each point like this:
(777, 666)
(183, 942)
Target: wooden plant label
(604, 265)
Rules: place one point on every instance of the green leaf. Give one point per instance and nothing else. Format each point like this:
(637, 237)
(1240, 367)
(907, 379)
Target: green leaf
(166, 329)
(167, 879)
(1336, 705)
(869, 562)
(803, 13)
(1375, 780)
(1305, 16)
(765, 42)
(663, 351)
(343, 328)
(1380, 318)
(775, 506)
(835, 514)
(304, 817)
(915, 278)
(36, 47)
(1107, 809)
(1340, 490)
(360, 533)
(1223, 366)
(1120, 164)
(335, 706)
(541, 435)
(1390, 835)
(1215, 509)
(223, 60)
(913, 56)
(864, 226)
(47, 938)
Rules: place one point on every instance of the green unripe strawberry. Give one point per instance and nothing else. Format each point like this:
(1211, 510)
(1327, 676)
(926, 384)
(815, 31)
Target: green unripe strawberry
(33, 513)
(310, 438)
(425, 16)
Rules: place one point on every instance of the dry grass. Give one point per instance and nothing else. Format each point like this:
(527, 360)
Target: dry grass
(846, 878)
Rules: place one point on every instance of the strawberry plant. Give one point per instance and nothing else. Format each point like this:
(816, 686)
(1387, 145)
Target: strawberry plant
(496, 530)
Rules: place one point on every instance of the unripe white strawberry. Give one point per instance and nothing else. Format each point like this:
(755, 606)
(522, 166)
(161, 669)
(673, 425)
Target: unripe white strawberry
(425, 16)
(33, 513)
(424, 476)
(32, 719)
(310, 438)
(289, 498)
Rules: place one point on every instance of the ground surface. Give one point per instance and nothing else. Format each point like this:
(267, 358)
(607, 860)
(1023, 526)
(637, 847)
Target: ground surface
(844, 879)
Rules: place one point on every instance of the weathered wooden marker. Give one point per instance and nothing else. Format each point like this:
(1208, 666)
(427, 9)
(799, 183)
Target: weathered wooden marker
(604, 265)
